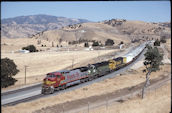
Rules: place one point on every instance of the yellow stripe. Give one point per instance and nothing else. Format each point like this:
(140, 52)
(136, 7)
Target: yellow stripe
(49, 82)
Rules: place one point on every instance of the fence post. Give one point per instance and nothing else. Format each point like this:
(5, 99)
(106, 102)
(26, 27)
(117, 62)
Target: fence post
(63, 107)
(106, 104)
(155, 92)
(88, 106)
(25, 74)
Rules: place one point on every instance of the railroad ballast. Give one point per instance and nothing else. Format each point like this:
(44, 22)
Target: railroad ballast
(62, 79)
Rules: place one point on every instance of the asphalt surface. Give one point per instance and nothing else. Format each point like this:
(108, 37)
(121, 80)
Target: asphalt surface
(30, 94)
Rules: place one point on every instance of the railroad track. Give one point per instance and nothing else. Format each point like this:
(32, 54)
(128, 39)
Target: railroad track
(34, 92)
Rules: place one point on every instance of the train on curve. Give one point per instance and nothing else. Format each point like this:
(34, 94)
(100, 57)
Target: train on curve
(62, 79)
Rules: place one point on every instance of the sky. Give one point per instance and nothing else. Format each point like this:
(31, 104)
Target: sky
(149, 11)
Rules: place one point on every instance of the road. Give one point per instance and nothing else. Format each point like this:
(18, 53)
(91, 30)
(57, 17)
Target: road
(33, 93)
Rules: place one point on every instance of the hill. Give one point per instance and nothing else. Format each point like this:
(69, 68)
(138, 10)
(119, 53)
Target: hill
(115, 29)
(75, 35)
(26, 26)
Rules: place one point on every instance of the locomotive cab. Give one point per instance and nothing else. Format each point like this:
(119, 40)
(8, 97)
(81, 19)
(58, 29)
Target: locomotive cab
(50, 79)
(50, 82)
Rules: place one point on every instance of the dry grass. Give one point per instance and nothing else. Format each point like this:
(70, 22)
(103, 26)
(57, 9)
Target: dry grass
(157, 101)
(43, 62)
(40, 63)
(109, 85)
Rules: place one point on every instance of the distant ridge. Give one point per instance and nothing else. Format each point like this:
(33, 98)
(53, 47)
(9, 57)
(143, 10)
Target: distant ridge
(25, 26)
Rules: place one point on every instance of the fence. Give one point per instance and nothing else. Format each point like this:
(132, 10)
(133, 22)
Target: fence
(105, 104)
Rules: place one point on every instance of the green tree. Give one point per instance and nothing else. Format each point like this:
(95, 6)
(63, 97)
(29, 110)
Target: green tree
(109, 42)
(157, 43)
(31, 48)
(95, 43)
(86, 44)
(153, 60)
(121, 43)
(163, 40)
(8, 70)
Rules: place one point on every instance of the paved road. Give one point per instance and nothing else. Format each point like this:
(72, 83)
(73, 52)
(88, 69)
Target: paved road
(35, 93)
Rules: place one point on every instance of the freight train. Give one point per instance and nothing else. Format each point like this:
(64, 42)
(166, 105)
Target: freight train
(62, 79)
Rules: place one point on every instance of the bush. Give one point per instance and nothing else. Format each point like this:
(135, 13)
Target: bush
(109, 42)
(121, 43)
(135, 40)
(95, 43)
(31, 48)
(163, 40)
(8, 69)
(38, 42)
(86, 44)
(157, 43)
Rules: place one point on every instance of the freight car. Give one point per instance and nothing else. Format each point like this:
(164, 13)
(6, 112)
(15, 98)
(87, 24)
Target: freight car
(62, 79)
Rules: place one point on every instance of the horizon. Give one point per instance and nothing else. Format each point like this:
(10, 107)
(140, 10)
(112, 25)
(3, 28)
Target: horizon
(147, 11)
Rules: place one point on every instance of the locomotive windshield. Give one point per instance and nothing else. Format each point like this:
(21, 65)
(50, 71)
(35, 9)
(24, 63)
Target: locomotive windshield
(51, 76)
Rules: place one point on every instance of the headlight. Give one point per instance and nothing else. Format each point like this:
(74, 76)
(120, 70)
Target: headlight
(89, 71)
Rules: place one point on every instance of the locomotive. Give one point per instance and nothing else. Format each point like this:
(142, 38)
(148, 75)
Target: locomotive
(62, 79)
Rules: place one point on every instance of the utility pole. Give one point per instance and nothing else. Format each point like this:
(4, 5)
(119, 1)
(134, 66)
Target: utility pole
(72, 62)
(25, 73)
(98, 55)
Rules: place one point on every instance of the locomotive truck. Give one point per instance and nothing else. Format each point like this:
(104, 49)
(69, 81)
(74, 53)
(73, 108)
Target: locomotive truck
(62, 79)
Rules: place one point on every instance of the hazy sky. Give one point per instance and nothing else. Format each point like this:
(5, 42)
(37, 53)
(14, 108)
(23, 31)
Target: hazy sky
(149, 11)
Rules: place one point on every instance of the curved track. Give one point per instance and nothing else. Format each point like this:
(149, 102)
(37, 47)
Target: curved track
(30, 94)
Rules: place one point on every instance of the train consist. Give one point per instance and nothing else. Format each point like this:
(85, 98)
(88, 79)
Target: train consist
(62, 79)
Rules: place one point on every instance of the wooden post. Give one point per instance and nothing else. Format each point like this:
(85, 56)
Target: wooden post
(63, 108)
(25, 73)
(88, 106)
(72, 62)
(106, 104)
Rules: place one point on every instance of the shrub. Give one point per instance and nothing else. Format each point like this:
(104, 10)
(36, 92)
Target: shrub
(121, 42)
(8, 69)
(135, 40)
(95, 43)
(109, 42)
(31, 48)
(38, 42)
(157, 43)
(163, 40)
(86, 44)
